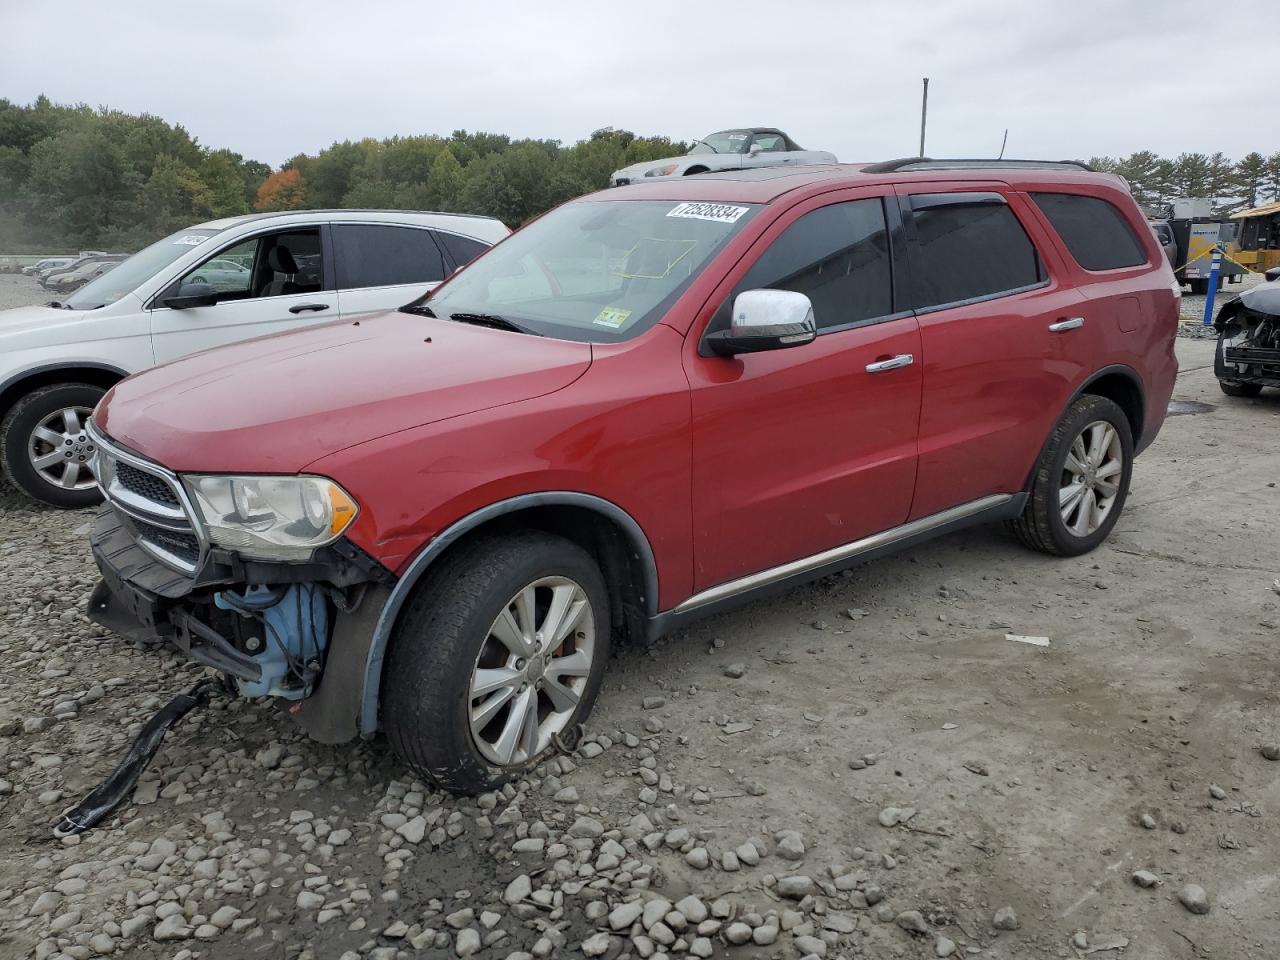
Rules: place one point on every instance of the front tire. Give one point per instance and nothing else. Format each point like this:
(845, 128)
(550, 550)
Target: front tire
(1081, 480)
(495, 659)
(1233, 388)
(45, 451)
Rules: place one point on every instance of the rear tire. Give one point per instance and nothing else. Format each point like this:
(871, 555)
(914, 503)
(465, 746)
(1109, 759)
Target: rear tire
(1233, 388)
(448, 643)
(1081, 481)
(21, 450)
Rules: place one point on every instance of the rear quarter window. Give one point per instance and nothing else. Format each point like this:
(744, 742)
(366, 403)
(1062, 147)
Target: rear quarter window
(1095, 231)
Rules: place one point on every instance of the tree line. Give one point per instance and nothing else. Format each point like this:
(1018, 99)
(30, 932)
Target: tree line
(76, 177)
(1230, 184)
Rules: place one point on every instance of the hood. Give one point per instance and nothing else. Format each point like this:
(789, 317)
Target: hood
(1264, 298)
(27, 327)
(276, 404)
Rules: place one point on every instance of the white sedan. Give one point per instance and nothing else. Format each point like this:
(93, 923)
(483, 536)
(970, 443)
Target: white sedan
(743, 148)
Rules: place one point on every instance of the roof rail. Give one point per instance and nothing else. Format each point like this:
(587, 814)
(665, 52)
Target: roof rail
(928, 163)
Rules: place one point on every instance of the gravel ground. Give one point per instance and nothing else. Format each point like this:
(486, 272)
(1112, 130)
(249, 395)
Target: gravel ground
(19, 291)
(865, 767)
(1193, 307)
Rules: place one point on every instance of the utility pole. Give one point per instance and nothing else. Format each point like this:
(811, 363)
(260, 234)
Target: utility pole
(924, 113)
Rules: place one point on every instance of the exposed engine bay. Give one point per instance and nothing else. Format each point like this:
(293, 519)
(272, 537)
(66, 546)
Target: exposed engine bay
(1249, 338)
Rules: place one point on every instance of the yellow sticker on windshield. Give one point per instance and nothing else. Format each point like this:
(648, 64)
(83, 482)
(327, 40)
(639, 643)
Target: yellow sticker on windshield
(611, 317)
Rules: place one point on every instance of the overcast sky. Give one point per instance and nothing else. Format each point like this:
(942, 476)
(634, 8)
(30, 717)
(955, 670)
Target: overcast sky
(269, 80)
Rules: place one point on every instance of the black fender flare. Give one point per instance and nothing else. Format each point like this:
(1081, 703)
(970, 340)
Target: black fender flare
(372, 677)
(43, 368)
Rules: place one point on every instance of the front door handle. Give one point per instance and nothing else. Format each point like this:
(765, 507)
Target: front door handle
(304, 307)
(1071, 323)
(893, 363)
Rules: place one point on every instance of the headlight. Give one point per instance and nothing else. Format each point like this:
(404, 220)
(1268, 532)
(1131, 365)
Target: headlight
(669, 169)
(272, 518)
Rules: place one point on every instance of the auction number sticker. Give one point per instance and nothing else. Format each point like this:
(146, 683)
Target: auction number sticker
(718, 212)
(612, 317)
(191, 240)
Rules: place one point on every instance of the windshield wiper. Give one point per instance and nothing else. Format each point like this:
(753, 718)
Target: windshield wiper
(420, 309)
(493, 321)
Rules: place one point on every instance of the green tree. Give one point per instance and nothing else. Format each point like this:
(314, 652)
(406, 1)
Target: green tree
(1251, 177)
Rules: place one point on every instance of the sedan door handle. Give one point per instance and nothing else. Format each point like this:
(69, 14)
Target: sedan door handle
(1071, 323)
(304, 307)
(893, 363)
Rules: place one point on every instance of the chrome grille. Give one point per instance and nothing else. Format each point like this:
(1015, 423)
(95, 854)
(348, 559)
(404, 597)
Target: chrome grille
(145, 485)
(151, 501)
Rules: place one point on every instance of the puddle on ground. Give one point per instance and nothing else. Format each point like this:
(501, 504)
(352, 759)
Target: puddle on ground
(1179, 408)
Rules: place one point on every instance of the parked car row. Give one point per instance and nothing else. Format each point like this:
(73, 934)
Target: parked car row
(648, 405)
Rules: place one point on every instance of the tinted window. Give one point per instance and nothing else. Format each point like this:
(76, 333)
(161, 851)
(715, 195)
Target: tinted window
(461, 249)
(1095, 232)
(384, 256)
(838, 256)
(970, 249)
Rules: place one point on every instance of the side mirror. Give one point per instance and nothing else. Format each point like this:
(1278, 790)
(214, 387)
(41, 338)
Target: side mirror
(1273, 274)
(754, 149)
(192, 295)
(765, 320)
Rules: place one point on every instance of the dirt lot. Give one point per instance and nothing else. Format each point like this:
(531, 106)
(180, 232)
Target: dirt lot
(1042, 778)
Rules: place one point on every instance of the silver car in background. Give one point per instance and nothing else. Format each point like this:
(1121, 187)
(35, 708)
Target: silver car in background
(741, 148)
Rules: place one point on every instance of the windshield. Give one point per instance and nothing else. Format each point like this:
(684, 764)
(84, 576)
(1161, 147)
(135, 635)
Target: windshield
(126, 276)
(594, 271)
(727, 141)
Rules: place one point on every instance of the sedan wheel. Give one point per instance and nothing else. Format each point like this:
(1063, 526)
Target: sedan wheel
(532, 671)
(45, 449)
(60, 451)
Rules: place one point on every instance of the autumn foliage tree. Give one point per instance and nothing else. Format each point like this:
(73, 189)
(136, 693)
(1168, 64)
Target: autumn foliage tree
(283, 190)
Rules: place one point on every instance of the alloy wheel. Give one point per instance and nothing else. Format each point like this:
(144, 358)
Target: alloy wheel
(61, 451)
(1091, 478)
(532, 670)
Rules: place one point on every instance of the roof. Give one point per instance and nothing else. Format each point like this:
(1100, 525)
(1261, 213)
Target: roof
(226, 222)
(1266, 210)
(766, 184)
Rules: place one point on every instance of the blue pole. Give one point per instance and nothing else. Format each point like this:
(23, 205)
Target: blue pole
(1215, 272)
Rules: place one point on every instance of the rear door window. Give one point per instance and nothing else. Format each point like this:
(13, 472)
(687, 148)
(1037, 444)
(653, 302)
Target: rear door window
(838, 256)
(377, 255)
(970, 246)
(462, 250)
(1096, 233)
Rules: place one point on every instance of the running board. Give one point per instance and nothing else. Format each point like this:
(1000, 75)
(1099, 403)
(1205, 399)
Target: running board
(1000, 506)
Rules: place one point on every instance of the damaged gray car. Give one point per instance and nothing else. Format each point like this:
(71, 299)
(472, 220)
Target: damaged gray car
(1248, 354)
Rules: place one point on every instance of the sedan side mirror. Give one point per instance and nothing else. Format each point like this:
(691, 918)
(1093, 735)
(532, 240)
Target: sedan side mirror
(1273, 274)
(765, 320)
(192, 295)
(754, 149)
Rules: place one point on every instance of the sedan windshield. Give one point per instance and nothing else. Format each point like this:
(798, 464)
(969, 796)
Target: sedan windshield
(726, 141)
(133, 272)
(596, 271)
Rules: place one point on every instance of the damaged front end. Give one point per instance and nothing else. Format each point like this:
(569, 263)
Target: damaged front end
(1249, 338)
(255, 601)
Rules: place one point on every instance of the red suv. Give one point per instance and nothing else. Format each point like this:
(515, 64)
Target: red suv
(647, 405)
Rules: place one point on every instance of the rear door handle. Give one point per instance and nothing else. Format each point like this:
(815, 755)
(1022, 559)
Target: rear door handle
(304, 307)
(893, 363)
(1071, 323)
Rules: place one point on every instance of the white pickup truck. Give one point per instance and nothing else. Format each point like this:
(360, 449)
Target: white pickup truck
(202, 287)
